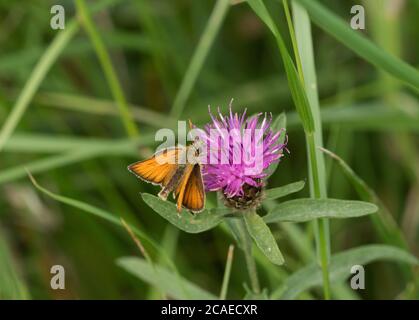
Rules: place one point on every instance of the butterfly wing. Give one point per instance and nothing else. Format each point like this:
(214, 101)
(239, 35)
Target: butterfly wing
(193, 197)
(158, 169)
(181, 187)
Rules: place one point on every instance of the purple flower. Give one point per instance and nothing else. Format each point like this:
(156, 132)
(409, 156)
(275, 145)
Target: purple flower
(238, 152)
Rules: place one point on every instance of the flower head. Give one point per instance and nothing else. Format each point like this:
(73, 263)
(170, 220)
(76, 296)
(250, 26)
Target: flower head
(239, 150)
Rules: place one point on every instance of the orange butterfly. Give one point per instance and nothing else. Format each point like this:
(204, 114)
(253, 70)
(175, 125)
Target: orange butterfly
(166, 169)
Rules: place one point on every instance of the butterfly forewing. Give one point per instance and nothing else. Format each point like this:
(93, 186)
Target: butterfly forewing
(166, 169)
(159, 168)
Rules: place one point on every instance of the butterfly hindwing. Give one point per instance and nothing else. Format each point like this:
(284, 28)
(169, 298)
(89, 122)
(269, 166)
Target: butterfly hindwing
(194, 195)
(181, 187)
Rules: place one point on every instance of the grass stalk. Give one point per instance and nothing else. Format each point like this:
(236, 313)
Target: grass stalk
(227, 273)
(38, 74)
(314, 140)
(108, 69)
(206, 40)
(35, 79)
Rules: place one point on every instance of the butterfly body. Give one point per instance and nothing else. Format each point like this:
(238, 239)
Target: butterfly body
(171, 170)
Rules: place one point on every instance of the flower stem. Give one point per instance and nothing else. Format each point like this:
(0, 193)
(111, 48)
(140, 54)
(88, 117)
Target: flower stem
(250, 261)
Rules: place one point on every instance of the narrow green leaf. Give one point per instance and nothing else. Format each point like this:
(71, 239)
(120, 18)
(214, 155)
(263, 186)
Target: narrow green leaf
(97, 106)
(227, 273)
(383, 221)
(38, 74)
(163, 279)
(11, 283)
(302, 210)
(35, 79)
(296, 86)
(101, 213)
(377, 116)
(263, 237)
(108, 148)
(108, 68)
(340, 268)
(197, 61)
(200, 222)
(283, 191)
(354, 40)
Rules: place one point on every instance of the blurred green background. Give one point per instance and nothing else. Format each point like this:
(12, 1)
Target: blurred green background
(72, 139)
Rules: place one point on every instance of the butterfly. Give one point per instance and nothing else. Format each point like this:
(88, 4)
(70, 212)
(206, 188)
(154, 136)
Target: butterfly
(168, 169)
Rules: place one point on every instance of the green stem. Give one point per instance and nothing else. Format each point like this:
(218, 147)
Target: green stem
(250, 261)
(314, 139)
(108, 69)
(227, 273)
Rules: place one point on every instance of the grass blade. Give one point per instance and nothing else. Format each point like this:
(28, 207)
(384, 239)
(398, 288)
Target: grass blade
(227, 272)
(340, 266)
(122, 148)
(35, 79)
(163, 279)
(318, 188)
(11, 284)
(112, 218)
(42, 143)
(384, 223)
(199, 56)
(340, 29)
(108, 69)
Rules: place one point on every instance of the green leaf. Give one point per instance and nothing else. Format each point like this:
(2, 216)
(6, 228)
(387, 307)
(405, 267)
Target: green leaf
(104, 148)
(365, 48)
(163, 279)
(296, 86)
(263, 237)
(283, 191)
(383, 221)
(302, 210)
(378, 116)
(200, 222)
(279, 123)
(340, 268)
(101, 213)
(11, 284)
(111, 76)
(201, 52)
(34, 80)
